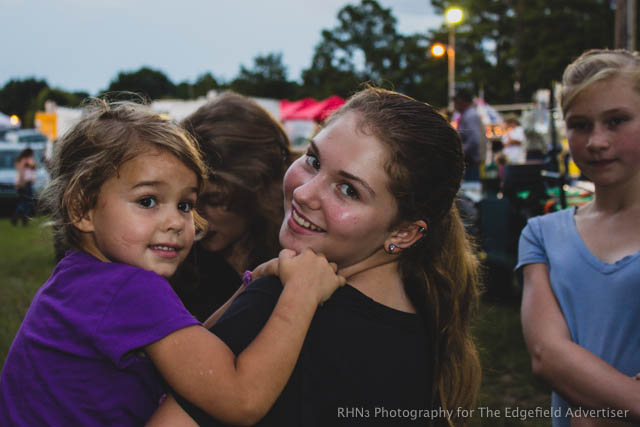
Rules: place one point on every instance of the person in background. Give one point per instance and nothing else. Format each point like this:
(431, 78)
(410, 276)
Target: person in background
(535, 144)
(472, 132)
(106, 326)
(513, 140)
(375, 193)
(25, 178)
(247, 153)
(581, 296)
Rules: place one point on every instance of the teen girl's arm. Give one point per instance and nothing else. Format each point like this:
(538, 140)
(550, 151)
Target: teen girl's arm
(580, 376)
(201, 368)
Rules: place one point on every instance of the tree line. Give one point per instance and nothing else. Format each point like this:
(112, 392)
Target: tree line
(506, 49)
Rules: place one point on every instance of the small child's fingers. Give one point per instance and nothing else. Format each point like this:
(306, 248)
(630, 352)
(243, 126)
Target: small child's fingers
(342, 281)
(287, 254)
(334, 266)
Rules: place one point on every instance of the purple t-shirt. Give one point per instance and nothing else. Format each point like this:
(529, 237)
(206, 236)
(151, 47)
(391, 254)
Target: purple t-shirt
(77, 359)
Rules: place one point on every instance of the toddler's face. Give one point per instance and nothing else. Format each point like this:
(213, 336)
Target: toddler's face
(143, 216)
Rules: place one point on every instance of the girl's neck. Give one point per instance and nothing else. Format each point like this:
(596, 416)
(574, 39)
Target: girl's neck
(615, 199)
(379, 279)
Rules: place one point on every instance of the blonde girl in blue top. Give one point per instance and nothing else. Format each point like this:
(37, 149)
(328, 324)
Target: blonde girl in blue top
(581, 297)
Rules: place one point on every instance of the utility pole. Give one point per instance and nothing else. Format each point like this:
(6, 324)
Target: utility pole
(632, 20)
(626, 24)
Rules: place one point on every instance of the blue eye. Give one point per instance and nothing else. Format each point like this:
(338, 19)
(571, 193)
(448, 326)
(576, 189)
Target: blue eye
(185, 206)
(578, 125)
(313, 161)
(349, 191)
(615, 121)
(147, 202)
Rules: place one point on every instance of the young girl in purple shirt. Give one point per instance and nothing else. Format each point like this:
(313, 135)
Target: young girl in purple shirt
(106, 328)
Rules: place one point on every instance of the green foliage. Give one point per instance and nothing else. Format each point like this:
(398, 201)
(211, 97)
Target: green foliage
(59, 96)
(151, 83)
(530, 42)
(17, 96)
(267, 78)
(204, 84)
(184, 90)
(365, 47)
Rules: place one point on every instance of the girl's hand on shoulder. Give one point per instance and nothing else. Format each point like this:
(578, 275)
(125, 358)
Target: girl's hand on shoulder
(267, 268)
(310, 271)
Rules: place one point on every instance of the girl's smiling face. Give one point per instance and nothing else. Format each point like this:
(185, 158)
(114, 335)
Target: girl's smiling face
(603, 129)
(336, 197)
(143, 216)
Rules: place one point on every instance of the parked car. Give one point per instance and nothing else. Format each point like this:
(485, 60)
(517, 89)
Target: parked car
(24, 135)
(8, 153)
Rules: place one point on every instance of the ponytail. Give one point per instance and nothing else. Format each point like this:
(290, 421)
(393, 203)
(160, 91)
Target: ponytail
(441, 275)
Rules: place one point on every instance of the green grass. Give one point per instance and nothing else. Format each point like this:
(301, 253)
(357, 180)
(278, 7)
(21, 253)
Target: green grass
(27, 259)
(507, 381)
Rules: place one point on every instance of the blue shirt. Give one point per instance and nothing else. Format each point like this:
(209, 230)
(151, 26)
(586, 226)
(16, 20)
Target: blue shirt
(600, 301)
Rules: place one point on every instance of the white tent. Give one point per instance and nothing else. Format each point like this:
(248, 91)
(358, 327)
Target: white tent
(5, 121)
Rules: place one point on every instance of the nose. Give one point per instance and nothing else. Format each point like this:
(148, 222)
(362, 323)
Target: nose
(173, 220)
(599, 138)
(308, 193)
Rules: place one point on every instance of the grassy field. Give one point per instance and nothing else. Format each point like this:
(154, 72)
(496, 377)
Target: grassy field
(26, 260)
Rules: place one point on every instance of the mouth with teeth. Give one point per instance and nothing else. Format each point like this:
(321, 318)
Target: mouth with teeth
(304, 223)
(165, 251)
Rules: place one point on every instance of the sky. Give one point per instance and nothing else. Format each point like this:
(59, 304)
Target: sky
(81, 45)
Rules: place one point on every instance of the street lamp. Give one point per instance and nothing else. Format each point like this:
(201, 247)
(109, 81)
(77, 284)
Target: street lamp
(453, 16)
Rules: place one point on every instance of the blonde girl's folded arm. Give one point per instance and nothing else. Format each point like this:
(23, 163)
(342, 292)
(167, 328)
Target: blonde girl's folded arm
(577, 374)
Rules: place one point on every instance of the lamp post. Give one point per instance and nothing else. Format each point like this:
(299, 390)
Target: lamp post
(453, 16)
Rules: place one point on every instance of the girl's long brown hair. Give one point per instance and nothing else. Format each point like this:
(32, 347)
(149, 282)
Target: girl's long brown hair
(247, 152)
(440, 272)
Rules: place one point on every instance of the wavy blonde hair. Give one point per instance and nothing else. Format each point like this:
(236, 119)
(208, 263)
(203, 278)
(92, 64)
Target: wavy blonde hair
(596, 65)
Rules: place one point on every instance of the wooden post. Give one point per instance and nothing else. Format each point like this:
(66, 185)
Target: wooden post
(632, 20)
(621, 25)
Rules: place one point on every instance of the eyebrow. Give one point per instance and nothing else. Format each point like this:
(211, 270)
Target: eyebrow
(615, 110)
(345, 174)
(158, 184)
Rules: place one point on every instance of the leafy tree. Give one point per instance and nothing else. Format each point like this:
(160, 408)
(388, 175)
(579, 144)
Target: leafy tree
(362, 47)
(267, 78)
(204, 84)
(152, 83)
(184, 90)
(17, 95)
(365, 47)
(501, 42)
(59, 96)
